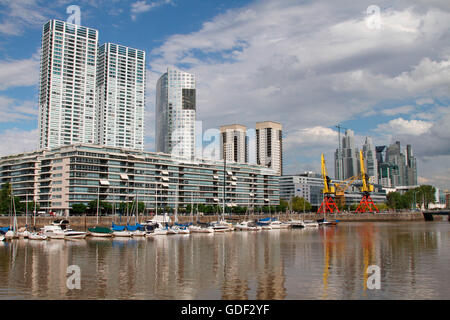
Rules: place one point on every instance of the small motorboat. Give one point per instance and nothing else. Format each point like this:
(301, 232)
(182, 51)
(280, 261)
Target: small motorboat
(311, 224)
(36, 236)
(297, 224)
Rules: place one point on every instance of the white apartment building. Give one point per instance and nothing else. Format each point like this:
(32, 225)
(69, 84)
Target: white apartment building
(175, 113)
(120, 96)
(269, 145)
(67, 84)
(234, 143)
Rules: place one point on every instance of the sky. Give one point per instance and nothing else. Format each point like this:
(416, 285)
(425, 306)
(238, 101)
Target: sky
(380, 68)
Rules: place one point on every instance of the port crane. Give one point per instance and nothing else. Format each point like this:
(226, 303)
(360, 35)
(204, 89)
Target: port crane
(366, 204)
(328, 204)
(340, 189)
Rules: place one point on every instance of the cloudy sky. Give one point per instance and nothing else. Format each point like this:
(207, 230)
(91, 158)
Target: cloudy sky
(381, 68)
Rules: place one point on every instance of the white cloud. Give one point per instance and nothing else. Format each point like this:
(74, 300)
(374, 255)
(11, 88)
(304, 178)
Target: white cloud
(142, 6)
(21, 14)
(17, 73)
(315, 136)
(398, 110)
(12, 110)
(401, 126)
(423, 101)
(9, 138)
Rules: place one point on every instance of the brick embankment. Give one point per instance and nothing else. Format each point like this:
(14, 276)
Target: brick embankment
(90, 221)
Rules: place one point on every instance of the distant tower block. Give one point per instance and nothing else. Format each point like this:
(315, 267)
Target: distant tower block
(269, 145)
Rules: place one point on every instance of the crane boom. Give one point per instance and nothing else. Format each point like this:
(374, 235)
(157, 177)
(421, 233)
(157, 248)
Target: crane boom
(366, 204)
(328, 204)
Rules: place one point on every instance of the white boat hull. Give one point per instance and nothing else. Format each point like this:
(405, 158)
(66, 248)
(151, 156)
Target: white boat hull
(10, 235)
(100, 234)
(36, 236)
(138, 233)
(75, 236)
(156, 232)
(122, 234)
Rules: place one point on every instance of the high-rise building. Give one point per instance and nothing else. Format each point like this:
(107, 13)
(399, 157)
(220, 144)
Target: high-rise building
(394, 167)
(269, 145)
(347, 165)
(234, 143)
(175, 113)
(120, 96)
(370, 159)
(67, 84)
(411, 168)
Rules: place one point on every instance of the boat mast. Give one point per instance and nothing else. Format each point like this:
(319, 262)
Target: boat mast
(224, 175)
(98, 199)
(34, 213)
(26, 210)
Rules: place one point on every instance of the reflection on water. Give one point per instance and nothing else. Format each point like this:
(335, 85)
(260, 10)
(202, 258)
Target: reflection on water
(328, 263)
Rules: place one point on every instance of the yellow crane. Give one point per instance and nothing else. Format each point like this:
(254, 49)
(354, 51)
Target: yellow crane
(366, 204)
(340, 189)
(328, 204)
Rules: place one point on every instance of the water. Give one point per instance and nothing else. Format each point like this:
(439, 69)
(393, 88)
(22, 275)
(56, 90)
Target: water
(328, 263)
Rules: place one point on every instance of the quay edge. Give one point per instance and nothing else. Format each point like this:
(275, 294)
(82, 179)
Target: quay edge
(82, 222)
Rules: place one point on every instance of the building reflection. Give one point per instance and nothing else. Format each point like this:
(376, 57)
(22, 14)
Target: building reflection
(328, 263)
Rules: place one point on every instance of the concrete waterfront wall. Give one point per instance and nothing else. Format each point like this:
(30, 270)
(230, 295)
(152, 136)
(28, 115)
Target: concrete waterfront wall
(82, 222)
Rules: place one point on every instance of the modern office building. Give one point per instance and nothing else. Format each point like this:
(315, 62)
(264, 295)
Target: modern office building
(60, 177)
(370, 160)
(394, 167)
(411, 167)
(234, 143)
(269, 145)
(67, 84)
(120, 96)
(175, 113)
(346, 164)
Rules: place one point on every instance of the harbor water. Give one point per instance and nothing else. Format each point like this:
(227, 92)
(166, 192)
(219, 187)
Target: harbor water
(319, 263)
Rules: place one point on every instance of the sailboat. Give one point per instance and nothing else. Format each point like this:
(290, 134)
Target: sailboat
(198, 228)
(137, 229)
(11, 234)
(23, 232)
(36, 235)
(99, 231)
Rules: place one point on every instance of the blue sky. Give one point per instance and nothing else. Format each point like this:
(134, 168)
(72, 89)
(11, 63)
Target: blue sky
(307, 64)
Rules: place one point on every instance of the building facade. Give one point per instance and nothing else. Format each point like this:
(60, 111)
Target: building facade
(269, 145)
(175, 113)
(234, 143)
(346, 164)
(67, 84)
(60, 177)
(120, 95)
(370, 160)
(394, 167)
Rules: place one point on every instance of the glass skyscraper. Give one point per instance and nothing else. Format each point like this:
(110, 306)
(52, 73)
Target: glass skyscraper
(175, 113)
(67, 84)
(120, 96)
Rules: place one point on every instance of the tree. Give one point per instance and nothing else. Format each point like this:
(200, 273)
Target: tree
(282, 206)
(5, 198)
(300, 204)
(395, 200)
(78, 208)
(422, 195)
